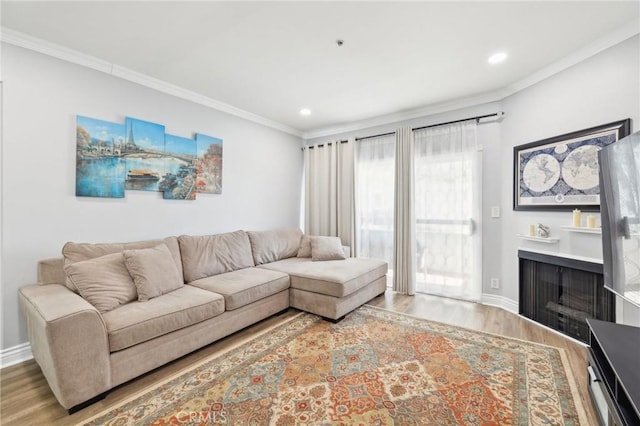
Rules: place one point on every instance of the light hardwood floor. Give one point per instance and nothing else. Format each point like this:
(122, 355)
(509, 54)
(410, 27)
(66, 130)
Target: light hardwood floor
(27, 400)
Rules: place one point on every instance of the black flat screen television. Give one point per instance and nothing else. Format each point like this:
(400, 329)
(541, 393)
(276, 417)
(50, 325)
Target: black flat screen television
(620, 213)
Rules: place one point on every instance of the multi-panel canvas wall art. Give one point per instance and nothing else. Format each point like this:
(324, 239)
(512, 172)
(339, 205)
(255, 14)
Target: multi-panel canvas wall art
(139, 155)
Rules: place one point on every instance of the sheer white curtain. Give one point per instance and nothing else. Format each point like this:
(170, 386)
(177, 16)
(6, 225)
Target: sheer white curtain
(448, 184)
(329, 201)
(374, 198)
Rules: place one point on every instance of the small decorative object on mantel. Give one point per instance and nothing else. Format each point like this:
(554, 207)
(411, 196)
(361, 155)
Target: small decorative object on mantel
(577, 218)
(532, 230)
(543, 231)
(561, 173)
(591, 221)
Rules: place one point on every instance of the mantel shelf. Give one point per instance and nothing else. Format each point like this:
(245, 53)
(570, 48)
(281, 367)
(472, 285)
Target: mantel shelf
(583, 230)
(547, 240)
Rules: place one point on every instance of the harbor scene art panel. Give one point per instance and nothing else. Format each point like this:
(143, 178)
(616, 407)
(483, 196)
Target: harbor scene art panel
(100, 165)
(209, 164)
(179, 180)
(145, 155)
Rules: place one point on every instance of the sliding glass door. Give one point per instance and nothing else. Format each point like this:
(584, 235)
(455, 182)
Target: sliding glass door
(447, 182)
(447, 179)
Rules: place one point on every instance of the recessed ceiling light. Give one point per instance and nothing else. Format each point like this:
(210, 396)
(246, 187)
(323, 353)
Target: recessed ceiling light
(305, 111)
(496, 58)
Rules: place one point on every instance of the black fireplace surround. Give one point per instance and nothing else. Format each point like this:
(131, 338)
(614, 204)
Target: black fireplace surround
(562, 293)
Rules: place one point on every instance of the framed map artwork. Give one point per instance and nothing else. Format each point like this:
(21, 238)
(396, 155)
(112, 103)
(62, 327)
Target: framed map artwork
(561, 173)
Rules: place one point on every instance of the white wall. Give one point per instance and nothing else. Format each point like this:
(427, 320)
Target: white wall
(262, 170)
(602, 89)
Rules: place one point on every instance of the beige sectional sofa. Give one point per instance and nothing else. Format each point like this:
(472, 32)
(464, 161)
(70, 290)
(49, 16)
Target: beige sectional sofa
(106, 313)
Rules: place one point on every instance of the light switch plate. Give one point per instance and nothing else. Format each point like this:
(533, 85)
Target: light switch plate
(495, 211)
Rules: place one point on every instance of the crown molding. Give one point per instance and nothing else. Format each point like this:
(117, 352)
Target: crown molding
(621, 34)
(25, 41)
(73, 56)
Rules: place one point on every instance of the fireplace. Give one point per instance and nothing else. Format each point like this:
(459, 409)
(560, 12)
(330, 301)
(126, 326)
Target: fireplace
(562, 293)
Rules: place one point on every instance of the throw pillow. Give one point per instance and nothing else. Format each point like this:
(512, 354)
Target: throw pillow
(153, 271)
(305, 246)
(327, 248)
(103, 281)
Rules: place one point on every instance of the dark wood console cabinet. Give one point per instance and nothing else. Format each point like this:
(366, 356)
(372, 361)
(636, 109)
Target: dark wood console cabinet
(614, 372)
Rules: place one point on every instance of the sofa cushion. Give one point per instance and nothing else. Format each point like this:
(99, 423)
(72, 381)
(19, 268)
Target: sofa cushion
(270, 246)
(305, 246)
(153, 271)
(76, 252)
(104, 281)
(244, 286)
(336, 278)
(137, 322)
(208, 255)
(326, 248)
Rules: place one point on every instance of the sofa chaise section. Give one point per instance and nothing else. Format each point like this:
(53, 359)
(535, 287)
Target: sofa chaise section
(332, 288)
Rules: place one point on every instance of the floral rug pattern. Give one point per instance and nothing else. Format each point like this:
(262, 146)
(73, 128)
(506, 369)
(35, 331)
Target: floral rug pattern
(375, 367)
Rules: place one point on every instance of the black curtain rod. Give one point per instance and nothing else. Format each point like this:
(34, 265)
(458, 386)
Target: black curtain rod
(477, 118)
(322, 144)
(376, 136)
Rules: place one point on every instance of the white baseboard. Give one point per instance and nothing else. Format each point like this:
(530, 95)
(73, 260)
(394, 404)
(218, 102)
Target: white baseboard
(500, 302)
(15, 355)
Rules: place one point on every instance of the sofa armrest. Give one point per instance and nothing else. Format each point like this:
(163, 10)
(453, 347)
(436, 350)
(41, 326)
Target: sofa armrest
(69, 341)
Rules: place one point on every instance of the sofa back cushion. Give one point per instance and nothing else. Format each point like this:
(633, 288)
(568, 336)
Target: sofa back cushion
(103, 281)
(207, 255)
(76, 252)
(271, 246)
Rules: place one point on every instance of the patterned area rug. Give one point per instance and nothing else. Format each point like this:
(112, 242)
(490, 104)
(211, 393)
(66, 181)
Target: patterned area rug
(373, 368)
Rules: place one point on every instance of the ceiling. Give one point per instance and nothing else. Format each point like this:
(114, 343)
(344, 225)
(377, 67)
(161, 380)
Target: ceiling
(274, 58)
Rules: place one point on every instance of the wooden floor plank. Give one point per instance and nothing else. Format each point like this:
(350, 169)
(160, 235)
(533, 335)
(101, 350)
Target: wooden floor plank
(25, 398)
